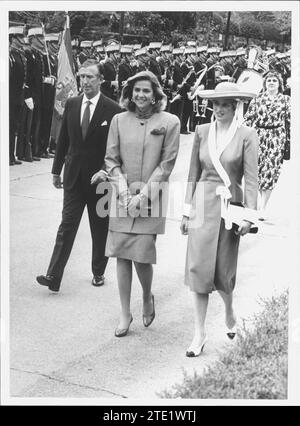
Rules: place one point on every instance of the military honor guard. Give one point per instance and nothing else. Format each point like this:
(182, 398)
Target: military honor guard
(19, 88)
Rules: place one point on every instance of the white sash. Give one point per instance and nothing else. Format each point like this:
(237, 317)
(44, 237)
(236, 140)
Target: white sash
(222, 191)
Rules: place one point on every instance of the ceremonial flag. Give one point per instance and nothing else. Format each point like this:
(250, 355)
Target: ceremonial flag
(66, 81)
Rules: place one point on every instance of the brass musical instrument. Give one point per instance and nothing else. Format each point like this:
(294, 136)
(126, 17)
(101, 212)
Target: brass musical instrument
(177, 94)
(194, 92)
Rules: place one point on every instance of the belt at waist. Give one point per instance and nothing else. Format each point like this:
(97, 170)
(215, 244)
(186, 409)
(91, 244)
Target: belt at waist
(269, 127)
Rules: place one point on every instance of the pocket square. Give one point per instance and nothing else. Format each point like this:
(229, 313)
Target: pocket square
(160, 131)
(104, 123)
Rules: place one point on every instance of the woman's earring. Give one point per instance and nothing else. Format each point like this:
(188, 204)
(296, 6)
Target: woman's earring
(153, 101)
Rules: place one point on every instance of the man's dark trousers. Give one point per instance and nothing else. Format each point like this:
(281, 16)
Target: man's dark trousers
(81, 160)
(75, 199)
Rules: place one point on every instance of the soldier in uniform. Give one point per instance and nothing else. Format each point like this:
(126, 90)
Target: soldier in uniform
(110, 84)
(142, 59)
(99, 51)
(176, 103)
(167, 70)
(240, 64)
(226, 61)
(37, 72)
(52, 41)
(189, 78)
(153, 65)
(18, 88)
(85, 51)
(125, 69)
(24, 148)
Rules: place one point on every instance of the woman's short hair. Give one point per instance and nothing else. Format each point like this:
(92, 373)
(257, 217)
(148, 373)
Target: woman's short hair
(276, 75)
(159, 96)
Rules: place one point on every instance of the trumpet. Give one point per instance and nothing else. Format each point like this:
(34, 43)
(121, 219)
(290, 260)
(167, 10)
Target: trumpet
(196, 106)
(203, 107)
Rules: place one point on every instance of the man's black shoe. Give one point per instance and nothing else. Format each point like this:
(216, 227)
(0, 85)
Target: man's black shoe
(49, 281)
(18, 162)
(185, 132)
(36, 158)
(98, 280)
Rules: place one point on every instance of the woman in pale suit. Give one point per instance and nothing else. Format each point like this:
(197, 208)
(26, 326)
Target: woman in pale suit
(141, 151)
(224, 152)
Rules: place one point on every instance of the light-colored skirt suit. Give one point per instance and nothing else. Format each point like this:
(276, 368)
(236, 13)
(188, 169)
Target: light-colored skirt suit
(212, 250)
(140, 153)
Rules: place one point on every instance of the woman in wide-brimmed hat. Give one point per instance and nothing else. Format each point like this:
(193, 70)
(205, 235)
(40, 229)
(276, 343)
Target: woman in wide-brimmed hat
(224, 152)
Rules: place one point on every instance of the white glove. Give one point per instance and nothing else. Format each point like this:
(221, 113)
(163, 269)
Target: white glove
(49, 80)
(29, 103)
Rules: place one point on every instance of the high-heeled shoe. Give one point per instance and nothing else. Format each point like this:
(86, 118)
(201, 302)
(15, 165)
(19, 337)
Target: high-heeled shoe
(231, 332)
(194, 351)
(151, 317)
(121, 332)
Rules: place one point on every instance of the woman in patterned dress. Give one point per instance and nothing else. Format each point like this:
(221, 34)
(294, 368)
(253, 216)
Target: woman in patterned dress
(269, 114)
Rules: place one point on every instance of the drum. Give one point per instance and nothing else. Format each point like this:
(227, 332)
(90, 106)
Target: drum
(250, 81)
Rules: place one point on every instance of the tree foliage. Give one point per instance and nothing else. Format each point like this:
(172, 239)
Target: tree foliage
(251, 29)
(170, 27)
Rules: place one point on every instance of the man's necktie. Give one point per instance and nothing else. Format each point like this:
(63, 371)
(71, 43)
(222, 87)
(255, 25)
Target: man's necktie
(85, 120)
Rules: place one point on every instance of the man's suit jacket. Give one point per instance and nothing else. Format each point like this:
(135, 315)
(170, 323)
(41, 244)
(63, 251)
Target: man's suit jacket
(85, 156)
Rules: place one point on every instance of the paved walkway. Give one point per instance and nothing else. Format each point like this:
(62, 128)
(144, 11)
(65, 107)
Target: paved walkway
(63, 345)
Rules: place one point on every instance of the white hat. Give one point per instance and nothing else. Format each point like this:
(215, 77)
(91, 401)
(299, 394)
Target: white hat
(191, 43)
(137, 46)
(86, 43)
(112, 48)
(35, 31)
(270, 52)
(16, 30)
(240, 52)
(226, 90)
(97, 43)
(213, 50)
(142, 51)
(201, 49)
(52, 37)
(155, 45)
(178, 51)
(190, 50)
(166, 48)
(126, 49)
(280, 55)
(227, 53)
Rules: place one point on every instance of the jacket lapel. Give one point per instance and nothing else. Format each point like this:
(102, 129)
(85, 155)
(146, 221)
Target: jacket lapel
(98, 114)
(77, 111)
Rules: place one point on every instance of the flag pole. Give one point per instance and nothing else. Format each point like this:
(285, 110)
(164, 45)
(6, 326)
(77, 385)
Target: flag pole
(46, 48)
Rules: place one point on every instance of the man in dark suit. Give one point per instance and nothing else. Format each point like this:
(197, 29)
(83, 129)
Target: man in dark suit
(81, 148)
